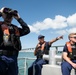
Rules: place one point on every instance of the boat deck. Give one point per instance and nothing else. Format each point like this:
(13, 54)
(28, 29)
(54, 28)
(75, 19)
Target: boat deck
(54, 58)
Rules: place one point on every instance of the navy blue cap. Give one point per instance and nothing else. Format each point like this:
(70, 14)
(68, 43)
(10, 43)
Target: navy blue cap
(40, 36)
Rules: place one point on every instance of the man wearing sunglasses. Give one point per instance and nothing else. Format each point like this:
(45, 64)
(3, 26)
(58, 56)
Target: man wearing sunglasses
(69, 55)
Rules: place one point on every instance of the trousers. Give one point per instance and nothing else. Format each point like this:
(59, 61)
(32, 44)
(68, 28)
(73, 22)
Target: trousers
(8, 65)
(36, 67)
(66, 67)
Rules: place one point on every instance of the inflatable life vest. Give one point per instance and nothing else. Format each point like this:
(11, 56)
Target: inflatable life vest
(69, 47)
(38, 52)
(71, 50)
(11, 37)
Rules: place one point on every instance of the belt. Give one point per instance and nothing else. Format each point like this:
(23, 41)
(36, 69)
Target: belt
(8, 52)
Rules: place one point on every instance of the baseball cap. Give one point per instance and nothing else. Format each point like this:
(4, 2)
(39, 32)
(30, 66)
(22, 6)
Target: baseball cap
(40, 36)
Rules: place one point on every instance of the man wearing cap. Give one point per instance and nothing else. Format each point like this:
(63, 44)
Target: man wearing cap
(42, 47)
(10, 44)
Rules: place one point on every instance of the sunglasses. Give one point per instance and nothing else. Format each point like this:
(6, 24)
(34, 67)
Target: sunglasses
(73, 37)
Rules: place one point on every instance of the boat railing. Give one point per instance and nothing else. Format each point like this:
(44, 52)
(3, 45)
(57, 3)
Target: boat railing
(54, 58)
(25, 67)
(25, 63)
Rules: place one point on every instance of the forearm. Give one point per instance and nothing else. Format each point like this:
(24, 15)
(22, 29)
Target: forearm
(25, 29)
(22, 23)
(54, 40)
(67, 59)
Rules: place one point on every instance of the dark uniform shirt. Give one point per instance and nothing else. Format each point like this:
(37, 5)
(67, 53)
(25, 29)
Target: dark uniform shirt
(73, 54)
(47, 48)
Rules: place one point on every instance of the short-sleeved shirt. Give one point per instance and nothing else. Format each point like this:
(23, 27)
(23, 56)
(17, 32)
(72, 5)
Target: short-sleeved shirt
(47, 48)
(65, 49)
(73, 46)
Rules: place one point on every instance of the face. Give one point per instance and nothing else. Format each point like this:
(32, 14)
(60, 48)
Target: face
(73, 38)
(41, 40)
(7, 18)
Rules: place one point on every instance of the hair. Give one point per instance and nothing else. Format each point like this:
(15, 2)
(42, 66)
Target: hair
(71, 34)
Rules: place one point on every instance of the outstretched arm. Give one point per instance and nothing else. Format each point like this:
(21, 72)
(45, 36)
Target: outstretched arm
(54, 40)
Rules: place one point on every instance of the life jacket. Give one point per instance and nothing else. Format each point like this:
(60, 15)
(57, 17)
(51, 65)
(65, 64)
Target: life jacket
(10, 37)
(45, 50)
(71, 50)
(39, 51)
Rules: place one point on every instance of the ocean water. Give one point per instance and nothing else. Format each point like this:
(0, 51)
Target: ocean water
(21, 62)
(28, 62)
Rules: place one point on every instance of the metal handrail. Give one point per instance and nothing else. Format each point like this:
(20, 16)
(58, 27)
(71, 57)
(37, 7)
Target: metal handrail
(25, 63)
(30, 49)
(27, 58)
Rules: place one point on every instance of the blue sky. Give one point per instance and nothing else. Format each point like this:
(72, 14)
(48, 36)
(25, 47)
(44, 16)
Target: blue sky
(50, 18)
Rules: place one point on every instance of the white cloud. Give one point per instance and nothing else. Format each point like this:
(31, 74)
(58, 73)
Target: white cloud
(72, 30)
(71, 20)
(33, 29)
(67, 31)
(59, 22)
(61, 32)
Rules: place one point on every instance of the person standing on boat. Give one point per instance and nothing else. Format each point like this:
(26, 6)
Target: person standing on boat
(69, 55)
(10, 44)
(42, 47)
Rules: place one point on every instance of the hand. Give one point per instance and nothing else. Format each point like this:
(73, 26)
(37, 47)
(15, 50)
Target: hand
(74, 65)
(60, 37)
(38, 45)
(17, 16)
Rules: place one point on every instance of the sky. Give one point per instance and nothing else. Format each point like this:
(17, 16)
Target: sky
(51, 18)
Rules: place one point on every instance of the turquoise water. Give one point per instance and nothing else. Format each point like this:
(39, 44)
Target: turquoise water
(21, 62)
(29, 62)
(26, 54)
